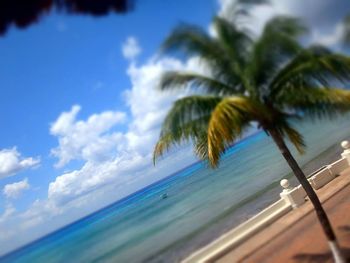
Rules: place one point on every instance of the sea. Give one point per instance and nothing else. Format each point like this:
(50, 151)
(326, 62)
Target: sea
(168, 220)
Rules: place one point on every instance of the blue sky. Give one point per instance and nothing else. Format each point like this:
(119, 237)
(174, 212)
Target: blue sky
(79, 113)
(68, 60)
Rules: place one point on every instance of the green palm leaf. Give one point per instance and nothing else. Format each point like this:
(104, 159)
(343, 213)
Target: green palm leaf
(235, 42)
(175, 80)
(313, 66)
(318, 102)
(278, 43)
(293, 135)
(187, 120)
(193, 41)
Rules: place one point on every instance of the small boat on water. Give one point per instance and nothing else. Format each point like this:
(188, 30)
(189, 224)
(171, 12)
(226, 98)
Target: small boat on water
(163, 196)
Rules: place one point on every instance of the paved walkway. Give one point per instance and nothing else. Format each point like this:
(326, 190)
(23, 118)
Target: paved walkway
(297, 236)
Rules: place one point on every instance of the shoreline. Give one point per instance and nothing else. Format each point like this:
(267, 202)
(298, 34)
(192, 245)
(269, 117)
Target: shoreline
(239, 213)
(238, 207)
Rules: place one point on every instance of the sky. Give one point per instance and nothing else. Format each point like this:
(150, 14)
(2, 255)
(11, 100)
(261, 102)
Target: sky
(80, 113)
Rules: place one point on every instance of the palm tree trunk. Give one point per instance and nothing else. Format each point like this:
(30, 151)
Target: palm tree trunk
(321, 214)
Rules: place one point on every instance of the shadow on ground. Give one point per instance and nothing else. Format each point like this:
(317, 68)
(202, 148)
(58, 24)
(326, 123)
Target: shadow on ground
(344, 228)
(320, 257)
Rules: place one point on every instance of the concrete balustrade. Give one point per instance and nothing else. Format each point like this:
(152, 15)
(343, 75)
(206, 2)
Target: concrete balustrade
(292, 196)
(346, 152)
(296, 196)
(321, 178)
(337, 167)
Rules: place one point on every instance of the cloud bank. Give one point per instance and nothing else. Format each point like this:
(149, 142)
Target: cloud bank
(12, 163)
(86, 139)
(14, 190)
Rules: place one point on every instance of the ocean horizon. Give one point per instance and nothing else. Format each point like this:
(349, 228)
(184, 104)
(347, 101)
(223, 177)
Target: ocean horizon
(169, 219)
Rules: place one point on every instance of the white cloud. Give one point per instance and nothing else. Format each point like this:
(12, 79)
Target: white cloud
(224, 5)
(326, 29)
(92, 176)
(12, 163)
(131, 48)
(131, 157)
(38, 212)
(259, 14)
(330, 39)
(14, 190)
(148, 106)
(7, 230)
(86, 140)
(9, 211)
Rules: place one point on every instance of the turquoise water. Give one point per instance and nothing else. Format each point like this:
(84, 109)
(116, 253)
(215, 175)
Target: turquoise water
(146, 228)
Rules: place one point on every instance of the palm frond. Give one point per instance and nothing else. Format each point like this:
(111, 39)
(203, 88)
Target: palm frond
(194, 41)
(201, 145)
(317, 102)
(235, 42)
(190, 132)
(277, 44)
(187, 109)
(313, 66)
(183, 80)
(290, 26)
(228, 120)
(187, 120)
(295, 137)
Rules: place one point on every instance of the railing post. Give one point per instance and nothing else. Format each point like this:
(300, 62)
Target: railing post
(293, 196)
(346, 153)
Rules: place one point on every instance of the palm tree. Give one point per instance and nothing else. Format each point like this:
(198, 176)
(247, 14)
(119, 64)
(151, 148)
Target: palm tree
(271, 80)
